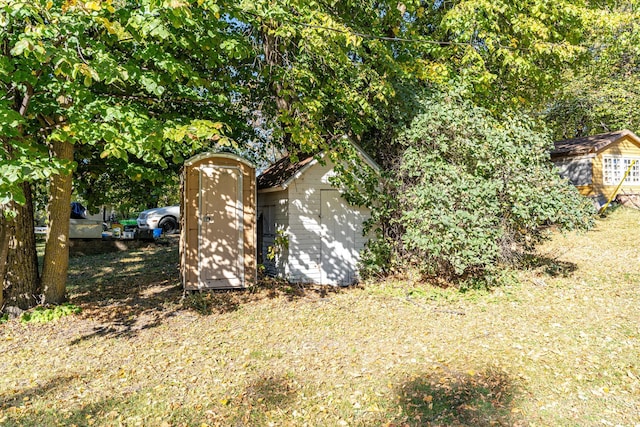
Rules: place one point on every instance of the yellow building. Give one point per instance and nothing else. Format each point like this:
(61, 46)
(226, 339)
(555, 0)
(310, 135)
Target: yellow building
(596, 164)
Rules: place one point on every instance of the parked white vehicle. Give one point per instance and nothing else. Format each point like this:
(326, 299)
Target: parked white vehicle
(166, 218)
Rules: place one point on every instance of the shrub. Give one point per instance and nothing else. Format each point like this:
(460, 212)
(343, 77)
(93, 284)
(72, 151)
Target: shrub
(473, 191)
(48, 314)
(376, 258)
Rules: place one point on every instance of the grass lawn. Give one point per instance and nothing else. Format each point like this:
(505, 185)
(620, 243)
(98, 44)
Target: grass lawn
(560, 348)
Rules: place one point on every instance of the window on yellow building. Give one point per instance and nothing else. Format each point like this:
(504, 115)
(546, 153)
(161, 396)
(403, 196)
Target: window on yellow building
(614, 168)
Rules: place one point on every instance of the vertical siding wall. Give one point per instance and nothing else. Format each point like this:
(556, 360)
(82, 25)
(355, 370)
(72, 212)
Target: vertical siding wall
(189, 227)
(305, 227)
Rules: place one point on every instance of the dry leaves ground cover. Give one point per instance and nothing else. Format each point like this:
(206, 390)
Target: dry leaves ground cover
(561, 347)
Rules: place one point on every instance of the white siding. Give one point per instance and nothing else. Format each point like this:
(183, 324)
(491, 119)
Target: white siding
(297, 210)
(305, 225)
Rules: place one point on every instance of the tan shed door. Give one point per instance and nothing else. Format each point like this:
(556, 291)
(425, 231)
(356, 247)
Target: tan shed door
(220, 242)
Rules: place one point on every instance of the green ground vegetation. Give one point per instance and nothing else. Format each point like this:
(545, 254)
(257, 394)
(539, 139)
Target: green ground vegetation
(557, 347)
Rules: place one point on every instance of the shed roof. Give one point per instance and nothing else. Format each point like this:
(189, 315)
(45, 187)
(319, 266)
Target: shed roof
(280, 174)
(589, 144)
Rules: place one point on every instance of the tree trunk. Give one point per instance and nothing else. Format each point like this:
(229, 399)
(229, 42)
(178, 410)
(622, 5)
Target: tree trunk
(21, 281)
(274, 60)
(56, 258)
(4, 251)
(18, 256)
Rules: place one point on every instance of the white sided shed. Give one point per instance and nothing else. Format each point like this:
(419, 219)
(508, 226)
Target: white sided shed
(316, 234)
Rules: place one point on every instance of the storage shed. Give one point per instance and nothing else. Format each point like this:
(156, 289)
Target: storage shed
(315, 235)
(596, 164)
(218, 240)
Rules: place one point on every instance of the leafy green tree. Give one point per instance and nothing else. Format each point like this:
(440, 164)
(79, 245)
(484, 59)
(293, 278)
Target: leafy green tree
(135, 81)
(127, 186)
(380, 57)
(146, 84)
(507, 53)
(600, 95)
(318, 79)
(587, 107)
(124, 90)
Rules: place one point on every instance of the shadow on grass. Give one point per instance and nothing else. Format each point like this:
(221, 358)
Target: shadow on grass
(270, 392)
(553, 267)
(225, 301)
(130, 314)
(135, 408)
(264, 394)
(446, 398)
(126, 292)
(35, 392)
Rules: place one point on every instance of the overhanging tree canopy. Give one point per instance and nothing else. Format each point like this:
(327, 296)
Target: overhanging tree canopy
(136, 86)
(129, 80)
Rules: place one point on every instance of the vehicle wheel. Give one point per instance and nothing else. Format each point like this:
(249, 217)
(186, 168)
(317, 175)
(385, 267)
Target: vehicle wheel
(168, 225)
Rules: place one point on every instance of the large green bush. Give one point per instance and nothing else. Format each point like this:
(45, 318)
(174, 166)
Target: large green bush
(472, 192)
